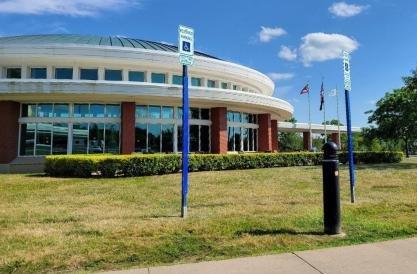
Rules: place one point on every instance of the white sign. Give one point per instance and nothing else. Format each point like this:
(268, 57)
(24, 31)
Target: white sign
(346, 71)
(186, 45)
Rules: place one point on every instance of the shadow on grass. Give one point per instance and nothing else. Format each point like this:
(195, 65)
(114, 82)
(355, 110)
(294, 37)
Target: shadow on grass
(156, 216)
(399, 166)
(280, 231)
(36, 175)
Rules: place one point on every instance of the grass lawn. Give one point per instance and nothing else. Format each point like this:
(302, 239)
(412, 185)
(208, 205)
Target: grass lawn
(54, 224)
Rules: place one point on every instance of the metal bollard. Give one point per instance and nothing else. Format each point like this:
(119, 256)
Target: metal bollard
(331, 195)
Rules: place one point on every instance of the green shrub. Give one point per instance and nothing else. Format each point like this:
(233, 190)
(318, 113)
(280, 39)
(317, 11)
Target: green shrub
(157, 164)
(372, 157)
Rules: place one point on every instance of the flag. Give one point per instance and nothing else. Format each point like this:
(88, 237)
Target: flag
(321, 96)
(306, 89)
(333, 93)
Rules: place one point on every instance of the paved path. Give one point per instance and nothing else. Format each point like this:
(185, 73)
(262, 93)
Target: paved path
(398, 256)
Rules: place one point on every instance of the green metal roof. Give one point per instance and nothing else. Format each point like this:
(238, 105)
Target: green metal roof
(93, 40)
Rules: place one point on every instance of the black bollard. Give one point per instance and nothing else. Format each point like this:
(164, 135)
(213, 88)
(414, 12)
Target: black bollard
(331, 196)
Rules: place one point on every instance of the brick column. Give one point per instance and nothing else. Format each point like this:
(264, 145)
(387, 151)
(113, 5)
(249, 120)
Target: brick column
(274, 133)
(335, 138)
(128, 128)
(265, 132)
(9, 133)
(219, 130)
(306, 141)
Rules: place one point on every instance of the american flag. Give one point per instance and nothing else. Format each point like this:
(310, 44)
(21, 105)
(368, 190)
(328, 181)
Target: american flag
(306, 89)
(321, 96)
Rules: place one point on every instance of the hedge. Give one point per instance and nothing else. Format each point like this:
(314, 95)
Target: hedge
(157, 164)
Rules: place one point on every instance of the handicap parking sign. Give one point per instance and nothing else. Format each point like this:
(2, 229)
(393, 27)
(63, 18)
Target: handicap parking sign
(186, 46)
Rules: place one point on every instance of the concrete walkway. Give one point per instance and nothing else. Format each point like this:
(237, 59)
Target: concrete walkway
(398, 256)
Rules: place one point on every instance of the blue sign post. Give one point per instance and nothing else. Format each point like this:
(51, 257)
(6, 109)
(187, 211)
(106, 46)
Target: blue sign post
(185, 131)
(186, 56)
(348, 88)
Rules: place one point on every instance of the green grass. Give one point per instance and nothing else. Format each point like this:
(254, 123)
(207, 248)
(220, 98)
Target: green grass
(54, 224)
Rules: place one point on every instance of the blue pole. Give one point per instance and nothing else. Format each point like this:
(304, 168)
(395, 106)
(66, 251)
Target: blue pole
(350, 148)
(185, 131)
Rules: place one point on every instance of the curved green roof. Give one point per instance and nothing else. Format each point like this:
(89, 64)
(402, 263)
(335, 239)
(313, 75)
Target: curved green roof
(93, 40)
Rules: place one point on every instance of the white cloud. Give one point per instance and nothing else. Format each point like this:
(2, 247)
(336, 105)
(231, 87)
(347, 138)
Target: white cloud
(287, 54)
(277, 76)
(267, 34)
(319, 47)
(342, 9)
(64, 7)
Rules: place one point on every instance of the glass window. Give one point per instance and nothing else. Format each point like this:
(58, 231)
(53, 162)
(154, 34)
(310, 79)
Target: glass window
(205, 138)
(179, 138)
(195, 82)
(251, 147)
(176, 79)
(28, 110)
(14, 73)
(112, 138)
(234, 87)
(155, 112)
(211, 83)
(142, 111)
(237, 132)
(79, 138)
(179, 113)
(194, 113)
(230, 116)
(60, 139)
(38, 73)
(245, 118)
(205, 114)
(194, 138)
(44, 110)
(167, 138)
(158, 78)
(113, 75)
(97, 110)
(154, 137)
(230, 142)
(63, 73)
(137, 76)
(167, 112)
(224, 85)
(89, 74)
(140, 136)
(81, 110)
(27, 139)
(61, 110)
(237, 117)
(255, 140)
(96, 138)
(113, 111)
(43, 138)
(245, 139)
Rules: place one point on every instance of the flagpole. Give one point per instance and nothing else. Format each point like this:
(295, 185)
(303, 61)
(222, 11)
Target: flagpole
(324, 114)
(309, 123)
(338, 119)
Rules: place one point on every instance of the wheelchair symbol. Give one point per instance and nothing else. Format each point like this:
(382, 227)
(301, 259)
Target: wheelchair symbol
(186, 46)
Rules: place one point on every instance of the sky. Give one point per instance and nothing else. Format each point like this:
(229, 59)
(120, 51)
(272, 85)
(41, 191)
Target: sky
(294, 42)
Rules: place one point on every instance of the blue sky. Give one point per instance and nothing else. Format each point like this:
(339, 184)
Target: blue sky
(293, 41)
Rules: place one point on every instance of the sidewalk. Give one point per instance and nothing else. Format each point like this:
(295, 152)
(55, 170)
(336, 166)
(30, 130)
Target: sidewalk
(399, 256)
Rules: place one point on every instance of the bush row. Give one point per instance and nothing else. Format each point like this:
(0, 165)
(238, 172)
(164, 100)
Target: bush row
(157, 164)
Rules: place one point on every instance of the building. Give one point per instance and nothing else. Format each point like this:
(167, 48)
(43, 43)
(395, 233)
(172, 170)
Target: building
(67, 94)
(73, 94)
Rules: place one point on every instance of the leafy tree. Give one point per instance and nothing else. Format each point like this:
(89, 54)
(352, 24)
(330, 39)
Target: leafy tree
(290, 141)
(395, 115)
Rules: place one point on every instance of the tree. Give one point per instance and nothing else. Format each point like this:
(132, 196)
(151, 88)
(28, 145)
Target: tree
(395, 115)
(290, 141)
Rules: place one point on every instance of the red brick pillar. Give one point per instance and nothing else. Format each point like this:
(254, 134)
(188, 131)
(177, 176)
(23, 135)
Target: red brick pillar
(335, 138)
(306, 141)
(219, 130)
(128, 127)
(265, 132)
(274, 133)
(9, 133)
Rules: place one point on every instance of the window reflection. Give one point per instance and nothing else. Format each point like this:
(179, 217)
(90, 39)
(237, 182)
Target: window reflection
(97, 110)
(81, 110)
(154, 137)
(61, 110)
(112, 138)
(79, 138)
(167, 138)
(140, 143)
(43, 139)
(44, 110)
(38, 73)
(113, 111)
(60, 139)
(136, 76)
(63, 73)
(96, 138)
(27, 139)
